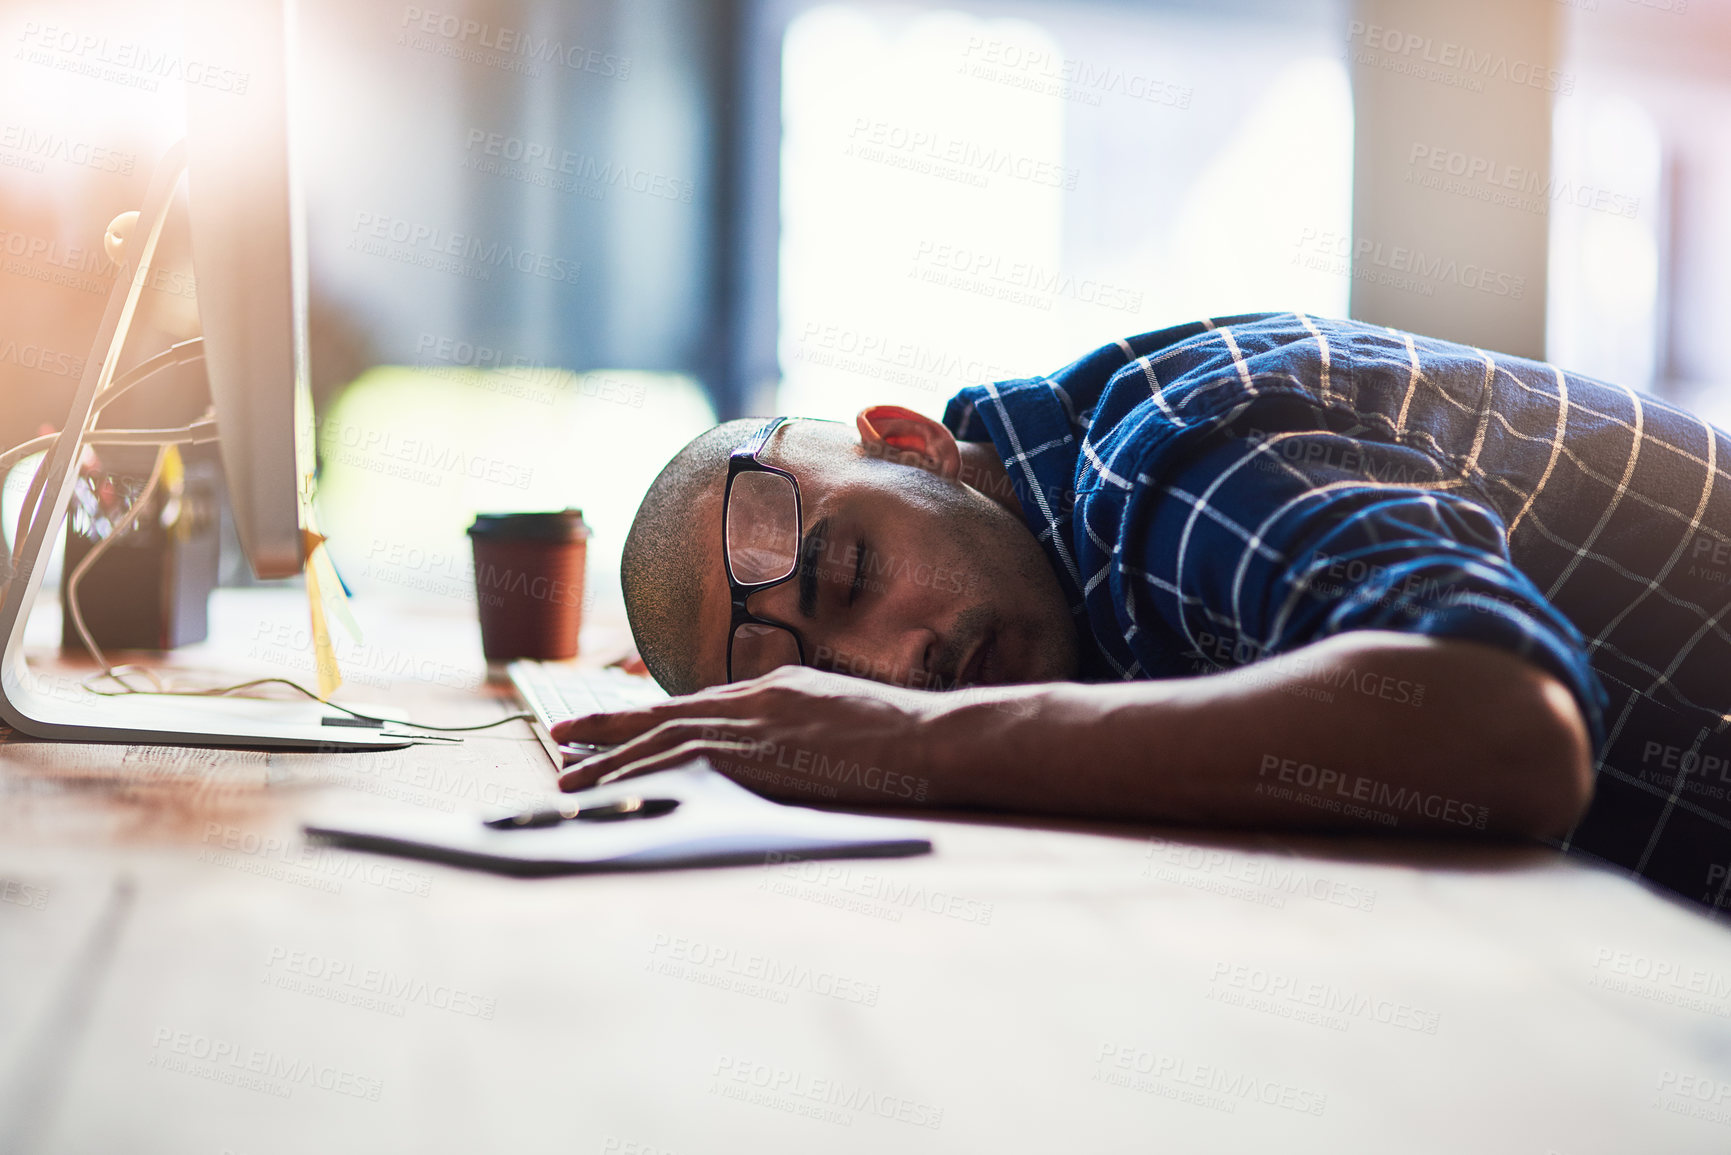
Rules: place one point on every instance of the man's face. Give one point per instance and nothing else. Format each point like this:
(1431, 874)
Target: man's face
(903, 576)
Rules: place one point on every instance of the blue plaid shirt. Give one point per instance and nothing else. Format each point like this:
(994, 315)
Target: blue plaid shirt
(1218, 492)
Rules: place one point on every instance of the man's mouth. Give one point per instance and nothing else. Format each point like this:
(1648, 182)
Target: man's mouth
(961, 659)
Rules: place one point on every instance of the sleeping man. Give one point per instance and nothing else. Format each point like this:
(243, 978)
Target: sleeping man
(1431, 589)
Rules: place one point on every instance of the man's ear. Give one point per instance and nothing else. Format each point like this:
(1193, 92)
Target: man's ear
(901, 435)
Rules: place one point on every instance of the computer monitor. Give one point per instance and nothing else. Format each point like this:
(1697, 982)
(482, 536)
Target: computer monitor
(249, 259)
(249, 262)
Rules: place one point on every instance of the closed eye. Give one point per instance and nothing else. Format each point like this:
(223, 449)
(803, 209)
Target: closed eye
(858, 571)
(812, 549)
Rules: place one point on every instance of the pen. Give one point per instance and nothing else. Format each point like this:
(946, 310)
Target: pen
(633, 807)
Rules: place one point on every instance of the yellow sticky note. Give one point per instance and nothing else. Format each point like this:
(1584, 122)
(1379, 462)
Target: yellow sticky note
(336, 596)
(324, 654)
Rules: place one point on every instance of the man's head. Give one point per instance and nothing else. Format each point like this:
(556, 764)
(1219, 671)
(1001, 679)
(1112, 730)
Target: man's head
(908, 574)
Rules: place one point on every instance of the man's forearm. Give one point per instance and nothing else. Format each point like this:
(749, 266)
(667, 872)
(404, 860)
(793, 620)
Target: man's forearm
(1366, 731)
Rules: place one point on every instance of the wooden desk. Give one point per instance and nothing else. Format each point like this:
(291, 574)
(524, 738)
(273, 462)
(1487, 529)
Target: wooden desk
(182, 975)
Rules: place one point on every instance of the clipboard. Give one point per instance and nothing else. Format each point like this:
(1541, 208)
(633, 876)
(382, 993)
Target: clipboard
(718, 823)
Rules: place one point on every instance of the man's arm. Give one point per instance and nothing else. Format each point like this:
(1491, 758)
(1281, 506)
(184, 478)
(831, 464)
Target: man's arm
(1369, 730)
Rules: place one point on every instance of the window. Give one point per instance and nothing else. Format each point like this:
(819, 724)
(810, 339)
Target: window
(1639, 230)
(968, 196)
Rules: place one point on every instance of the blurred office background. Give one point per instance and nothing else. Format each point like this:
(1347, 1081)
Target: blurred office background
(550, 241)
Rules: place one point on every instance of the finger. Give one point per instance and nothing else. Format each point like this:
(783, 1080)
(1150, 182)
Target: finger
(667, 759)
(712, 731)
(623, 725)
(583, 730)
(573, 753)
(607, 729)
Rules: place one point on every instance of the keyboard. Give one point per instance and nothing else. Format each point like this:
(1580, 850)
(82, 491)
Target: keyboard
(553, 691)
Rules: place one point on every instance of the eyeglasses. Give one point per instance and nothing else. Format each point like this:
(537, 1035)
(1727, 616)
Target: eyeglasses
(760, 538)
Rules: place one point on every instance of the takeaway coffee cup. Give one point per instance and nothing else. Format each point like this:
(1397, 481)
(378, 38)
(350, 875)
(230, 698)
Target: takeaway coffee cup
(529, 583)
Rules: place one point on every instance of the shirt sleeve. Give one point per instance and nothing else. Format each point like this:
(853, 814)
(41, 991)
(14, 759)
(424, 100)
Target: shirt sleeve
(1251, 546)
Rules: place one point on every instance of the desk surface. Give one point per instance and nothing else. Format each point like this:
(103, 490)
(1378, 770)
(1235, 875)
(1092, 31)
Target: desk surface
(183, 975)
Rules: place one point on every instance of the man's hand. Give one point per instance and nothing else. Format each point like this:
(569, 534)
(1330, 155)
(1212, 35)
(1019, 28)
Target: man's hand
(797, 734)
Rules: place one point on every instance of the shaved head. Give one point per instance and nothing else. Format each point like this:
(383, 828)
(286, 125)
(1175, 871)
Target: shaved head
(665, 561)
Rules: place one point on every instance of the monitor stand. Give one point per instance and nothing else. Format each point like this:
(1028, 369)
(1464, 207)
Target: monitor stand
(45, 707)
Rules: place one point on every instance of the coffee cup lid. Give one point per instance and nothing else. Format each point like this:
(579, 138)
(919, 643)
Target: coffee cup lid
(565, 526)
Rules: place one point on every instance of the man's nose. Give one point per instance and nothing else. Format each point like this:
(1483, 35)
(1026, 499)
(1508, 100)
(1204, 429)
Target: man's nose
(895, 655)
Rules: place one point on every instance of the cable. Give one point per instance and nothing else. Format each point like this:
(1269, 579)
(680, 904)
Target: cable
(113, 673)
(19, 452)
(173, 357)
(226, 691)
(203, 430)
(181, 353)
(198, 433)
(118, 529)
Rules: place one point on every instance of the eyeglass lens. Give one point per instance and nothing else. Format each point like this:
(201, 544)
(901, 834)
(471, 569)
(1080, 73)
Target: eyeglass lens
(762, 534)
